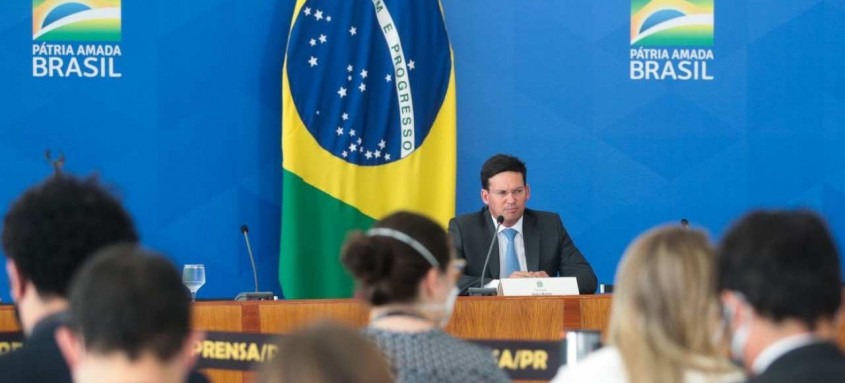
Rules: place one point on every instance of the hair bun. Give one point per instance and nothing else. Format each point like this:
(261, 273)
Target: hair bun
(367, 258)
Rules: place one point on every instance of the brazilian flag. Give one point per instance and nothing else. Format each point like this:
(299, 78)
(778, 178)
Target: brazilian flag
(368, 128)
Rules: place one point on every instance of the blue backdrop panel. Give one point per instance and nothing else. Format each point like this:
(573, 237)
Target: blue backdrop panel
(189, 136)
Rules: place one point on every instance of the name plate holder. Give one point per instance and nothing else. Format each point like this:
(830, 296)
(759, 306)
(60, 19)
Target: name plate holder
(527, 287)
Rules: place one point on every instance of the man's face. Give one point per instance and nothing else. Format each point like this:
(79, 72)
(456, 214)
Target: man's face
(506, 196)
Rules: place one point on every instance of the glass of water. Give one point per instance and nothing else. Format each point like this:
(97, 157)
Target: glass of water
(193, 276)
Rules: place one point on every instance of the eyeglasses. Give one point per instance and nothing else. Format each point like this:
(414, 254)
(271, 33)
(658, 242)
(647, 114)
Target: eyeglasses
(518, 192)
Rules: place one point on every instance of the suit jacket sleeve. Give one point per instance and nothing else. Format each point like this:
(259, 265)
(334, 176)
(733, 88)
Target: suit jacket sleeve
(466, 281)
(573, 264)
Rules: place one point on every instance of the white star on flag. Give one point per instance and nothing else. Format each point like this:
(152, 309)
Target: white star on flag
(312, 42)
(339, 131)
(361, 149)
(318, 15)
(352, 132)
(313, 61)
(378, 153)
(381, 144)
(344, 116)
(411, 65)
(353, 31)
(362, 87)
(342, 92)
(353, 147)
(359, 141)
(348, 78)
(364, 73)
(387, 157)
(307, 11)
(323, 40)
(368, 154)
(344, 154)
(349, 68)
(329, 18)
(388, 78)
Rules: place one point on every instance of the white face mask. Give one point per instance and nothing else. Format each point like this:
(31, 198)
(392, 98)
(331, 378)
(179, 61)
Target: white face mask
(740, 335)
(446, 308)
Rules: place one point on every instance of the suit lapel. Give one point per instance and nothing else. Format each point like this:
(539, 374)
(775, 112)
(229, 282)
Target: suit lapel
(531, 236)
(489, 233)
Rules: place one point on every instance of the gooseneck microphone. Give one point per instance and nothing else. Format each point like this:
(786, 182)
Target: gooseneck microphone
(255, 295)
(481, 290)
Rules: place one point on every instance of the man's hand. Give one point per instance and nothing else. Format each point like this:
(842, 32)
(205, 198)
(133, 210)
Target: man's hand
(529, 274)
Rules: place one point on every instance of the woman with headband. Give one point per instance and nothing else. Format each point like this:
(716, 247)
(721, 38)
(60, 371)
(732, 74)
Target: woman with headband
(406, 270)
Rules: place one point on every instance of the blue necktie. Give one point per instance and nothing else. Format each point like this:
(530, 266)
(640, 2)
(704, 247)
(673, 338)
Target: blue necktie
(511, 261)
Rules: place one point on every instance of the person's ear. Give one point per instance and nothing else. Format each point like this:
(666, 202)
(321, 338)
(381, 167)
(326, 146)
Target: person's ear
(485, 196)
(429, 283)
(192, 348)
(527, 192)
(70, 345)
(17, 285)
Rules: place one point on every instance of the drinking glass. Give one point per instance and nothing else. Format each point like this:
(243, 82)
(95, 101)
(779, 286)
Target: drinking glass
(193, 276)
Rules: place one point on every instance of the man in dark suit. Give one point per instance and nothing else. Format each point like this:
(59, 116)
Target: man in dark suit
(780, 286)
(530, 243)
(48, 233)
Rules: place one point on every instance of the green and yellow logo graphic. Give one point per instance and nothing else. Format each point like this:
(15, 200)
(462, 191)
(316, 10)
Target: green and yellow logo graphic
(672, 22)
(76, 20)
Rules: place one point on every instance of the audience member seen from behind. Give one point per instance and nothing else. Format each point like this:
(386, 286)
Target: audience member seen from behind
(130, 319)
(406, 269)
(780, 285)
(326, 353)
(48, 233)
(664, 325)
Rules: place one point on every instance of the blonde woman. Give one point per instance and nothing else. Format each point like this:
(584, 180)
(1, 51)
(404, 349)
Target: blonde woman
(664, 325)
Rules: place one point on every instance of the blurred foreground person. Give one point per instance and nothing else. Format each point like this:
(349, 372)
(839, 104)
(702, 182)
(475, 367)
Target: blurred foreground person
(664, 325)
(326, 353)
(130, 319)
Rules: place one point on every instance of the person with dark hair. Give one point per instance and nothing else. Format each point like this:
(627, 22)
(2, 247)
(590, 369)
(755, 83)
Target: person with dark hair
(48, 233)
(531, 243)
(405, 268)
(778, 274)
(326, 353)
(130, 317)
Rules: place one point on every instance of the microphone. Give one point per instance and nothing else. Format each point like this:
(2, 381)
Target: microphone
(256, 295)
(481, 290)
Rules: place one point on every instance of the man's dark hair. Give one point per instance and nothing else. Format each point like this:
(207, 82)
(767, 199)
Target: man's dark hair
(785, 263)
(502, 163)
(130, 300)
(56, 225)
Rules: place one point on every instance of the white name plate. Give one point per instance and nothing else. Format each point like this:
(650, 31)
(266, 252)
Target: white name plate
(526, 287)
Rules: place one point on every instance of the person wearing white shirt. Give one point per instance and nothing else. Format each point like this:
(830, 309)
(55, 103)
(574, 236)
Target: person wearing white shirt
(664, 324)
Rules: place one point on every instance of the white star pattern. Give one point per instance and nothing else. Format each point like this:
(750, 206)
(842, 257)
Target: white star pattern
(348, 78)
(364, 73)
(361, 149)
(352, 132)
(411, 65)
(312, 42)
(387, 157)
(323, 41)
(339, 131)
(344, 116)
(368, 154)
(359, 141)
(313, 61)
(307, 11)
(329, 19)
(342, 92)
(388, 78)
(318, 112)
(377, 153)
(353, 147)
(353, 31)
(349, 68)
(344, 154)
(318, 15)
(362, 87)
(381, 144)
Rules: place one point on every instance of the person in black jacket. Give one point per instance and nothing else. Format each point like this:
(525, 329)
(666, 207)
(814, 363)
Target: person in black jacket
(530, 243)
(130, 318)
(48, 233)
(779, 278)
